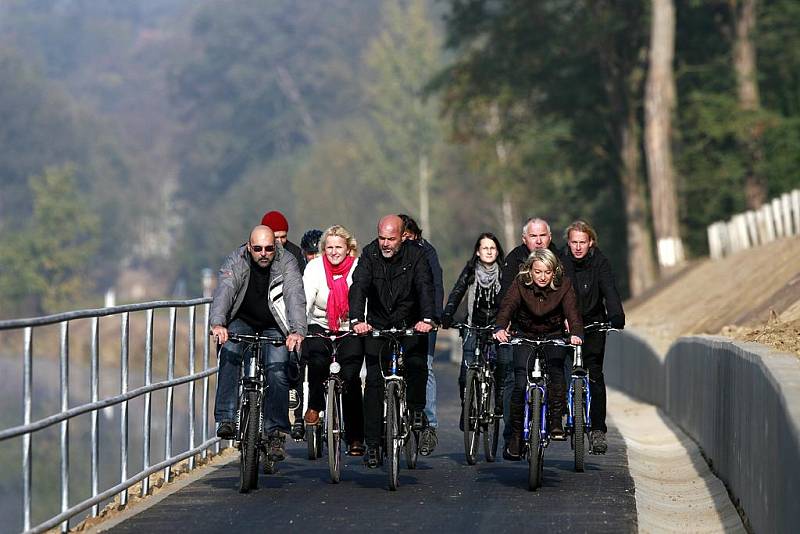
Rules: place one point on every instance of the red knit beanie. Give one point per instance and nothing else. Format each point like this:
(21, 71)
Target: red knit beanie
(276, 221)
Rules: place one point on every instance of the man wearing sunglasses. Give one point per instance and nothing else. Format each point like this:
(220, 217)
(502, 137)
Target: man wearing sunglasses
(259, 289)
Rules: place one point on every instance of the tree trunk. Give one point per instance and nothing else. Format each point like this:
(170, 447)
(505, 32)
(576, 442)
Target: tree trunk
(659, 106)
(744, 62)
(641, 266)
(424, 194)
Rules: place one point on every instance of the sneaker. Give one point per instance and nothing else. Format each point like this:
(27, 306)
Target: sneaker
(557, 430)
(419, 421)
(226, 430)
(294, 399)
(511, 450)
(373, 457)
(298, 431)
(597, 441)
(428, 441)
(276, 450)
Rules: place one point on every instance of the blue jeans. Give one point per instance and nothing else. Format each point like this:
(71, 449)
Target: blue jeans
(276, 403)
(430, 390)
(505, 360)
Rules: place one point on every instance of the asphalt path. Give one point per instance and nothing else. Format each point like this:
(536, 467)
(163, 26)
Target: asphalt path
(443, 493)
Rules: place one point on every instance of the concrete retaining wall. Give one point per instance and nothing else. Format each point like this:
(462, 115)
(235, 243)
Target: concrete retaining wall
(739, 401)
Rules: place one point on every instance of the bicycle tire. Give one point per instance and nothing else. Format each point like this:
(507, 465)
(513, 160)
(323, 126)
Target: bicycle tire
(333, 427)
(248, 447)
(393, 438)
(578, 430)
(490, 435)
(471, 416)
(535, 449)
(411, 447)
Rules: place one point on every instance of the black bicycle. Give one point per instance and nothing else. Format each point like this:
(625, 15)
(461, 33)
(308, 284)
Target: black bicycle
(480, 396)
(535, 431)
(398, 429)
(331, 422)
(249, 417)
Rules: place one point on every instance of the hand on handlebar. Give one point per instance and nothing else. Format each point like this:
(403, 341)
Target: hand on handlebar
(423, 327)
(501, 336)
(575, 340)
(362, 328)
(293, 342)
(220, 333)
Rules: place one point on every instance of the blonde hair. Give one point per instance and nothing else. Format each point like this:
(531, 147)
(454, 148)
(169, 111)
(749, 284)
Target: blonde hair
(549, 260)
(339, 231)
(581, 226)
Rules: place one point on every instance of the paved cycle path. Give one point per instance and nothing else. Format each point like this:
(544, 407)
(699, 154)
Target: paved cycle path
(442, 494)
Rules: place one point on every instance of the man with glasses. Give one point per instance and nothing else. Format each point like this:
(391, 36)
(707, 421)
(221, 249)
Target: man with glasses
(259, 289)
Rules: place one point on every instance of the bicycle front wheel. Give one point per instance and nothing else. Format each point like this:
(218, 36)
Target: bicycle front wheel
(535, 448)
(248, 447)
(578, 415)
(333, 419)
(394, 440)
(490, 434)
(470, 417)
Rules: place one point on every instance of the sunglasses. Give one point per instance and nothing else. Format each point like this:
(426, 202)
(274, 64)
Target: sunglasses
(266, 248)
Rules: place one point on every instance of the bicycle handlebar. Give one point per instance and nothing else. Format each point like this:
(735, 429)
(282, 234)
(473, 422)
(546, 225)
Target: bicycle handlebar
(256, 338)
(556, 342)
(397, 332)
(465, 326)
(332, 335)
(600, 327)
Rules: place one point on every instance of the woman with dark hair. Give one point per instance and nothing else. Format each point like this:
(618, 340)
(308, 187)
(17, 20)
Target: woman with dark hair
(539, 300)
(480, 281)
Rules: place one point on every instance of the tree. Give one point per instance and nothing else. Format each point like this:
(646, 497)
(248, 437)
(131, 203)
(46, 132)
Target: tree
(660, 101)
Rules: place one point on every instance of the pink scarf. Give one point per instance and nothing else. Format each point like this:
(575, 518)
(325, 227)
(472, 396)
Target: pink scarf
(338, 305)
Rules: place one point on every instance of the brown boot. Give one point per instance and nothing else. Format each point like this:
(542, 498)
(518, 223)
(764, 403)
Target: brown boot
(311, 417)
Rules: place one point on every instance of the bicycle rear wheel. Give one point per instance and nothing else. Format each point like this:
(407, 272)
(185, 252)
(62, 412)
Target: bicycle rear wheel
(578, 416)
(470, 417)
(393, 438)
(412, 449)
(490, 434)
(333, 418)
(535, 449)
(248, 447)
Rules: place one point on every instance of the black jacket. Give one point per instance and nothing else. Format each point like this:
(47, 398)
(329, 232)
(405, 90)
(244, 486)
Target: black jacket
(595, 286)
(298, 255)
(396, 292)
(436, 272)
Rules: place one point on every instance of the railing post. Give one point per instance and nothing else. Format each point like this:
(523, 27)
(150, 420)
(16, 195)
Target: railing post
(192, 313)
(64, 373)
(170, 392)
(206, 343)
(148, 379)
(94, 380)
(27, 374)
(123, 414)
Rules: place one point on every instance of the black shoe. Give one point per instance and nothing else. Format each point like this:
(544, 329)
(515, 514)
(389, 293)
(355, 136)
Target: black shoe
(419, 420)
(373, 457)
(298, 431)
(275, 447)
(428, 441)
(557, 430)
(226, 430)
(597, 442)
(511, 450)
(294, 399)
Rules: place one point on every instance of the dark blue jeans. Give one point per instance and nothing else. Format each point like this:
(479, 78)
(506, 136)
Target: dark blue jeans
(505, 364)
(276, 403)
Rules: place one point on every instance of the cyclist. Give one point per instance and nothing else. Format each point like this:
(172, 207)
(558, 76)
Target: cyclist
(396, 279)
(309, 245)
(413, 233)
(539, 300)
(327, 283)
(535, 235)
(480, 281)
(599, 301)
(277, 221)
(259, 289)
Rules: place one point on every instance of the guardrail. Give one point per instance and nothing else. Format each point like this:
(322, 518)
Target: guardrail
(28, 428)
(774, 220)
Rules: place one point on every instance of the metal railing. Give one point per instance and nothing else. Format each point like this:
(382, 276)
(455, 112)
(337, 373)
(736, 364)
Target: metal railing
(67, 413)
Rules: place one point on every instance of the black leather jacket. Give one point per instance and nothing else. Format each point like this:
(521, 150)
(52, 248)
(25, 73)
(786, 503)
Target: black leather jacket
(393, 293)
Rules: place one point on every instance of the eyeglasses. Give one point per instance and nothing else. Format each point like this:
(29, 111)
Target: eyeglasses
(266, 248)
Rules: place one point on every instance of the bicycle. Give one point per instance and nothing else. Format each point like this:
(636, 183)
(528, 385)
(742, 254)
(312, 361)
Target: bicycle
(579, 413)
(535, 431)
(398, 430)
(331, 423)
(249, 416)
(480, 400)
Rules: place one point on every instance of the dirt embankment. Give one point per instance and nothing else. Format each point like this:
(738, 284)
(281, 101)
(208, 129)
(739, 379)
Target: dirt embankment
(750, 296)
